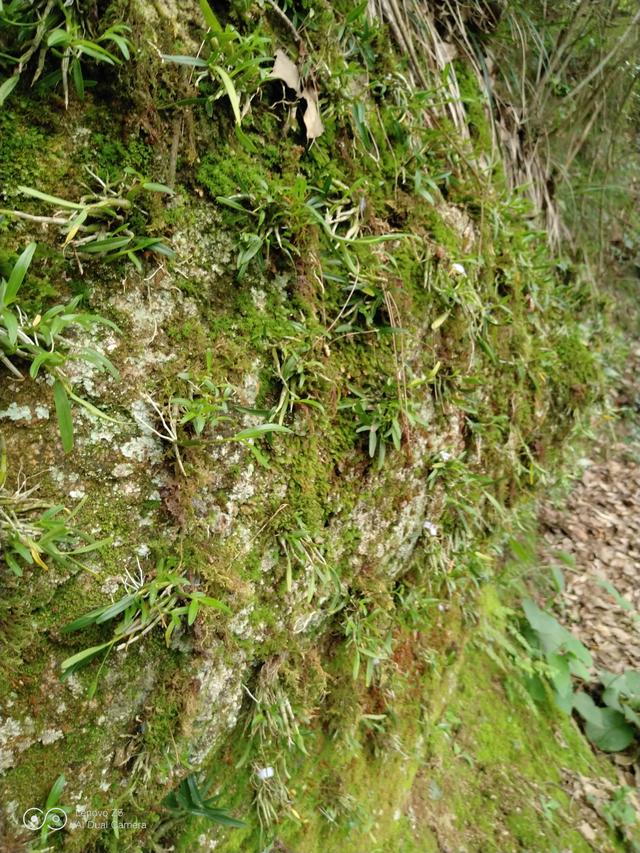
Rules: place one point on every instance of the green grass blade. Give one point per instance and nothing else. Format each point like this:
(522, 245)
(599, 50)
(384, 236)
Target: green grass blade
(63, 410)
(18, 273)
(227, 82)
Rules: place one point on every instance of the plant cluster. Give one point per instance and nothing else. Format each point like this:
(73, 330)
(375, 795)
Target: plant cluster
(41, 343)
(234, 66)
(166, 600)
(39, 34)
(199, 417)
(34, 532)
(382, 420)
(100, 223)
(273, 731)
(189, 800)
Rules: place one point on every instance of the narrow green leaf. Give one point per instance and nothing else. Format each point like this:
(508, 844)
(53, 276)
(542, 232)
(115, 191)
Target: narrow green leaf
(192, 612)
(82, 658)
(7, 87)
(227, 82)
(56, 790)
(51, 199)
(115, 609)
(209, 16)
(192, 61)
(18, 273)
(63, 411)
(257, 431)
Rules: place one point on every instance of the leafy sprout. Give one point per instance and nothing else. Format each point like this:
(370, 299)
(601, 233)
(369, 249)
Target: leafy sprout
(42, 345)
(99, 223)
(165, 601)
(34, 532)
(234, 66)
(34, 32)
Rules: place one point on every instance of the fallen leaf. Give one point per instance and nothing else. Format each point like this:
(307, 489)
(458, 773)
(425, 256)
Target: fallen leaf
(312, 120)
(286, 70)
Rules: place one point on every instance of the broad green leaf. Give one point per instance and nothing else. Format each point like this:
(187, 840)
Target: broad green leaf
(10, 322)
(63, 411)
(439, 321)
(57, 37)
(158, 188)
(212, 602)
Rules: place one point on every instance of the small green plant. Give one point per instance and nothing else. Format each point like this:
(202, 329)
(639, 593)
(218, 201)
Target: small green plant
(383, 420)
(274, 732)
(183, 422)
(621, 815)
(51, 818)
(188, 800)
(300, 549)
(277, 214)
(295, 372)
(100, 223)
(234, 66)
(41, 343)
(55, 29)
(33, 531)
(166, 601)
(367, 630)
(208, 405)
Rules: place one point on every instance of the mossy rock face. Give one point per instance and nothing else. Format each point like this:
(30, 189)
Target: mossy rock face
(352, 586)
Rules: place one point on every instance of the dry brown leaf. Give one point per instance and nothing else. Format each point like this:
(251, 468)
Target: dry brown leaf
(286, 70)
(312, 120)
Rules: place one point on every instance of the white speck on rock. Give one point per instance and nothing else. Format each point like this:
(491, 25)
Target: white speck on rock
(17, 413)
(111, 585)
(142, 449)
(50, 736)
(123, 469)
(259, 298)
(42, 412)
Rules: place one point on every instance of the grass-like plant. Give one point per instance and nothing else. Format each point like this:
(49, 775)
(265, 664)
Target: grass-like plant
(383, 419)
(189, 800)
(166, 600)
(41, 344)
(35, 532)
(100, 223)
(233, 66)
(51, 34)
(197, 416)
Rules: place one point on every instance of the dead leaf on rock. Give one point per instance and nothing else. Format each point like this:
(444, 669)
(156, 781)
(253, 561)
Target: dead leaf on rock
(312, 120)
(287, 71)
